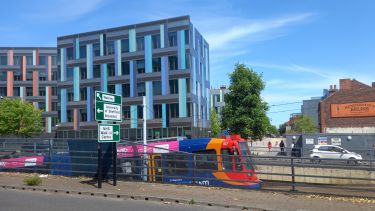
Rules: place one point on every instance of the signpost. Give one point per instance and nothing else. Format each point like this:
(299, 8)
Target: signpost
(108, 107)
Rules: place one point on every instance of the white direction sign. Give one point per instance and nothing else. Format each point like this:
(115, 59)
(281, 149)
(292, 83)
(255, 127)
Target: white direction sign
(108, 133)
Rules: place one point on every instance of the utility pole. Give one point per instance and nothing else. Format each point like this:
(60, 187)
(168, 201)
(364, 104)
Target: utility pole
(144, 140)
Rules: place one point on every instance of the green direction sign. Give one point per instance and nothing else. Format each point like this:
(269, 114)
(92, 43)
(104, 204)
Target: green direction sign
(108, 107)
(108, 133)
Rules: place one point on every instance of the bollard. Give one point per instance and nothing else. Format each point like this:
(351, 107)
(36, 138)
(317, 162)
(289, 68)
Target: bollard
(293, 177)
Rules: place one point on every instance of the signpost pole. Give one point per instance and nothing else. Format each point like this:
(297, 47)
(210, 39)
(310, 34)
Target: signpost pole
(144, 140)
(114, 162)
(99, 165)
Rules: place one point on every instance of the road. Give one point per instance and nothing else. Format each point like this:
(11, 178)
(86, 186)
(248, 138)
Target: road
(24, 200)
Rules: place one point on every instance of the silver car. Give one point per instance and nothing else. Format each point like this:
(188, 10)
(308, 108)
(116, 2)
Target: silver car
(334, 152)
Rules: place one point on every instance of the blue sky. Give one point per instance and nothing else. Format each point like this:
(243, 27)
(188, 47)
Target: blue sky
(300, 47)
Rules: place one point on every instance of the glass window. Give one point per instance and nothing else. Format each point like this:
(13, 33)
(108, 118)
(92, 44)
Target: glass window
(172, 39)
(156, 64)
(188, 109)
(206, 160)
(69, 73)
(96, 49)
(187, 61)
(173, 62)
(125, 68)
(83, 115)
(70, 95)
(3, 60)
(110, 47)
(17, 75)
(155, 41)
(173, 86)
(140, 44)
(29, 60)
(111, 69)
(156, 87)
(226, 157)
(54, 60)
(141, 90)
(157, 111)
(187, 37)
(3, 91)
(54, 75)
(125, 46)
(29, 75)
(187, 85)
(96, 70)
(3, 76)
(82, 51)
(42, 91)
(69, 53)
(17, 60)
(140, 113)
(42, 106)
(42, 75)
(126, 112)
(83, 73)
(174, 110)
(29, 91)
(126, 90)
(141, 66)
(111, 89)
(177, 163)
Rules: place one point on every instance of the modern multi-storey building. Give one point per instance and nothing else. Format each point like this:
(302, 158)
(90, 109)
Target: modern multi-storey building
(217, 99)
(166, 60)
(31, 74)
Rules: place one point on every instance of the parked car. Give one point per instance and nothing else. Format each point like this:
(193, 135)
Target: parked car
(334, 152)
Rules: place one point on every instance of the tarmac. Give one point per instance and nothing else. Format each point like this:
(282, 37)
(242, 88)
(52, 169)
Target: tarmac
(222, 198)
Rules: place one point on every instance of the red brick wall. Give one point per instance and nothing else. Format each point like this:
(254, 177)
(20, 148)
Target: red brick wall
(344, 95)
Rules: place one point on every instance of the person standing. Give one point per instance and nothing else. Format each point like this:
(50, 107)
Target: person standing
(282, 146)
(269, 145)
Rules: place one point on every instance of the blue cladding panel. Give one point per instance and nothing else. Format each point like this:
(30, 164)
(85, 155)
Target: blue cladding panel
(164, 115)
(102, 45)
(181, 50)
(149, 100)
(89, 104)
(76, 83)
(162, 45)
(63, 64)
(132, 79)
(193, 75)
(133, 116)
(182, 97)
(89, 61)
(118, 69)
(132, 40)
(193, 145)
(164, 75)
(77, 48)
(148, 54)
(103, 78)
(63, 105)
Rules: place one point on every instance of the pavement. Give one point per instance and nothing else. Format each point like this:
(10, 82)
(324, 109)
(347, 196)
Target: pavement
(197, 197)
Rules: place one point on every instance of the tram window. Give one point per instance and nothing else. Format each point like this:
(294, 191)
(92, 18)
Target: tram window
(226, 156)
(177, 164)
(237, 160)
(206, 160)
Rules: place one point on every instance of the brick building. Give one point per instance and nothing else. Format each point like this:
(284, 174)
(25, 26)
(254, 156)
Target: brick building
(349, 109)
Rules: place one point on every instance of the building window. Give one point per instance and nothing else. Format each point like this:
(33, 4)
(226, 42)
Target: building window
(69, 73)
(4, 60)
(54, 106)
(141, 66)
(96, 49)
(69, 53)
(140, 44)
(82, 51)
(172, 39)
(54, 91)
(70, 95)
(42, 91)
(69, 115)
(125, 68)
(126, 112)
(110, 47)
(42, 75)
(187, 61)
(173, 86)
(141, 89)
(3, 76)
(17, 60)
(156, 64)
(187, 85)
(29, 60)
(140, 112)
(125, 46)
(29, 91)
(16, 91)
(54, 60)
(42, 60)
(158, 111)
(96, 70)
(174, 110)
(173, 62)
(156, 87)
(187, 37)
(3, 91)
(42, 106)
(17, 75)
(111, 89)
(83, 115)
(111, 69)
(188, 109)
(54, 75)
(126, 90)
(29, 75)
(83, 73)
(83, 93)
(155, 41)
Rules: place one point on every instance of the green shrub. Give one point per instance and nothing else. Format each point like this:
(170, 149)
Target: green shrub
(33, 180)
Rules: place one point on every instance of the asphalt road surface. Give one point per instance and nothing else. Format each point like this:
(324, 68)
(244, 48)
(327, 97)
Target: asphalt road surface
(26, 200)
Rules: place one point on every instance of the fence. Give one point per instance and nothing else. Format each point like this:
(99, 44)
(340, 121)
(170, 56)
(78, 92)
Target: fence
(283, 173)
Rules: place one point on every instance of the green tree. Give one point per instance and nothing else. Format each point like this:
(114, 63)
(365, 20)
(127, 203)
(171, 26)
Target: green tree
(304, 125)
(282, 128)
(272, 130)
(19, 118)
(215, 124)
(244, 112)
